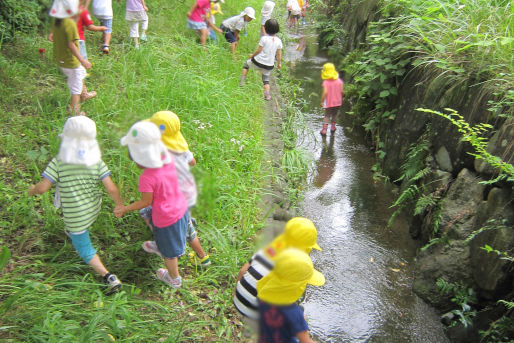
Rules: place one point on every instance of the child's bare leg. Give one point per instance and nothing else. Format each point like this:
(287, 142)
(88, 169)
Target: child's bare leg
(107, 38)
(203, 36)
(266, 88)
(97, 265)
(197, 248)
(233, 48)
(172, 266)
(147, 221)
(75, 104)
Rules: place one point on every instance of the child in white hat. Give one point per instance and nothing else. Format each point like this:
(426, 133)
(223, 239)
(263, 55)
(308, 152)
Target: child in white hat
(233, 25)
(169, 125)
(66, 51)
(102, 10)
(76, 172)
(159, 188)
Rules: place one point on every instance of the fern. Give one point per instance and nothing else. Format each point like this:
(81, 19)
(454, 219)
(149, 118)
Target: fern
(424, 202)
(508, 304)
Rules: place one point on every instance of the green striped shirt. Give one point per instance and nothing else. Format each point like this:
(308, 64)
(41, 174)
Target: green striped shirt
(78, 185)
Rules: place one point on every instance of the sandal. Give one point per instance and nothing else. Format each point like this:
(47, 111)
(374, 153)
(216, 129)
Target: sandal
(87, 95)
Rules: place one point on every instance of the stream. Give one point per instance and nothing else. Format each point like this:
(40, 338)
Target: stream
(368, 267)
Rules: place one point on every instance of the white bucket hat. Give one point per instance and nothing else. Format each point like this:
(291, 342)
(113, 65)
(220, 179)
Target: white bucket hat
(64, 8)
(79, 145)
(249, 11)
(267, 8)
(145, 145)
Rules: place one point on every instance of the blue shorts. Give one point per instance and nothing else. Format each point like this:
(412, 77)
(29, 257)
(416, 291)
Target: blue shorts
(171, 240)
(108, 23)
(196, 25)
(146, 213)
(229, 35)
(82, 49)
(82, 245)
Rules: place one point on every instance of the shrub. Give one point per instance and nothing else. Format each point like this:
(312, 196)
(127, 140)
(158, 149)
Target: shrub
(22, 16)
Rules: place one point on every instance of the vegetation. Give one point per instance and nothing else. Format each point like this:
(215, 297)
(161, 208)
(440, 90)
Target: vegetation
(46, 293)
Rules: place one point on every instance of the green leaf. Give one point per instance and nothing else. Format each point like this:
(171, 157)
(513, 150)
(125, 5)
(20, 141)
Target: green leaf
(5, 255)
(384, 94)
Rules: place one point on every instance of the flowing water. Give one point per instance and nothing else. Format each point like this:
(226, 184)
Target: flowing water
(367, 296)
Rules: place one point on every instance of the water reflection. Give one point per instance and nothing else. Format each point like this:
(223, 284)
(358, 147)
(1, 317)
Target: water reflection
(326, 162)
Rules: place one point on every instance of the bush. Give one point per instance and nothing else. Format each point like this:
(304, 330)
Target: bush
(22, 16)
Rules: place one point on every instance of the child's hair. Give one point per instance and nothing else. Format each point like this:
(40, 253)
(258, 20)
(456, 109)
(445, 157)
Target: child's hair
(271, 26)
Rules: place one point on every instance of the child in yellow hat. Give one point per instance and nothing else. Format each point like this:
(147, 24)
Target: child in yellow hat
(331, 97)
(298, 233)
(281, 319)
(169, 125)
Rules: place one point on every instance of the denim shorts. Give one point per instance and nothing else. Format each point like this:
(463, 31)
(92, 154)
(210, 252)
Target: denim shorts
(106, 22)
(196, 25)
(146, 213)
(82, 245)
(229, 35)
(171, 240)
(82, 49)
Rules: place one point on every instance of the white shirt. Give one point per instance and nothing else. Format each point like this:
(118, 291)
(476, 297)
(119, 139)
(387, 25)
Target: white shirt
(294, 7)
(235, 23)
(102, 9)
(270, 45)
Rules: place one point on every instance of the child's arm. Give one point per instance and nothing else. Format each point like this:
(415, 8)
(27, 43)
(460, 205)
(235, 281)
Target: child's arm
(191, 10)
(40, 188)
(323, 96)
(76, 53)
(256, 52)
(96, 28)
(304, 337)
(279, 58)
(192, 162)
(113, 191)
(243, 270)
(214, 27)
(146, 200)
(144, 6)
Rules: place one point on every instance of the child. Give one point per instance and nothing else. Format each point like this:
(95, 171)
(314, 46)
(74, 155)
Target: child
(76, 171)
(135, 13)
(169, 125)
(159, 188)
(211, 20)
(298, 233)
(332, 95)
(281, 319)
(233, 25)
(266, 11)
(295, 9)
(304, 10)
(102, 10)
(196, 19)
(66, 52)
(263, 59)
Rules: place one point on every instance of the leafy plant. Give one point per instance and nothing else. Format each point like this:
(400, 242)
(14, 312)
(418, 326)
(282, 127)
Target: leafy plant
(463, 297)
(5, 255)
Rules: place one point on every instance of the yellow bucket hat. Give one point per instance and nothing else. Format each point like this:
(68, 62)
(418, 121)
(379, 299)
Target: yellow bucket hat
(287, 281)
(215, 8)
(299, 233)
(169, 124)
(329, 72)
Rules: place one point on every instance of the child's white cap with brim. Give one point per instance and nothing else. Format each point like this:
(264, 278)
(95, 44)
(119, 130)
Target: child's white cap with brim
(79, 145)
(267, 8)
(64, 8)
(145, 145)
(249, 11)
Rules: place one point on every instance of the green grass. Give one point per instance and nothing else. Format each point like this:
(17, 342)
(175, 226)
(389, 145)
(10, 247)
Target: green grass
(46, 293)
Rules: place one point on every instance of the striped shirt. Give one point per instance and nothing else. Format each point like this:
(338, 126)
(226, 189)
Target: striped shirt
(81, 198)
(245, 299)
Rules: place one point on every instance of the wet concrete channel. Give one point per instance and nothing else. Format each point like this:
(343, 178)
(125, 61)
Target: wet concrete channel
(367, 296)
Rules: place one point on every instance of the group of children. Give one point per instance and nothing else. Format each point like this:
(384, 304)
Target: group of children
(271, 283)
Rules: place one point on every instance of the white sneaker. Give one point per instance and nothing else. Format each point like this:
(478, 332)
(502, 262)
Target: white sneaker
(164, 276)
(151, 247)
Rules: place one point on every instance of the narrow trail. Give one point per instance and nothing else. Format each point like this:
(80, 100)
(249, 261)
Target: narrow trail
(367, 296)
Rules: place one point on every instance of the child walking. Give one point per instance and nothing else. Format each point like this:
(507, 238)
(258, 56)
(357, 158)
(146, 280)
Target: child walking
(211, 19)
(76, 172)
(196, 19)
(295, 10)
(65, 37)
(263, 59)
(331, 96)
(159, 188)
(266, 11)
(298, 233)
(169, 125)
(102, 10)
(135, 13)
(281, 319)
(84, 21)
(233, 25)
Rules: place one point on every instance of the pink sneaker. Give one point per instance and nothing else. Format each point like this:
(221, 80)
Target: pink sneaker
(151, 247)
(164, 276)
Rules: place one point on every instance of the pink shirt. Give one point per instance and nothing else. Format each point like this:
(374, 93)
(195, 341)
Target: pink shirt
(202, 6)
(169, 204)
(334, 92)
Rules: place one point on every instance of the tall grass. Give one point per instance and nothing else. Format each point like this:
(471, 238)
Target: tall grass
(46, 292)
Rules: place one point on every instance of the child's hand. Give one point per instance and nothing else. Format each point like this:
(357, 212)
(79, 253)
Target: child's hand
(32, 190)
(103, 28)
(51, 36)
(279, 65)
(119, 211)
(146, 8)
(87, 64)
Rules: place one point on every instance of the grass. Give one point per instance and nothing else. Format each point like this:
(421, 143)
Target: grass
(46, 293)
